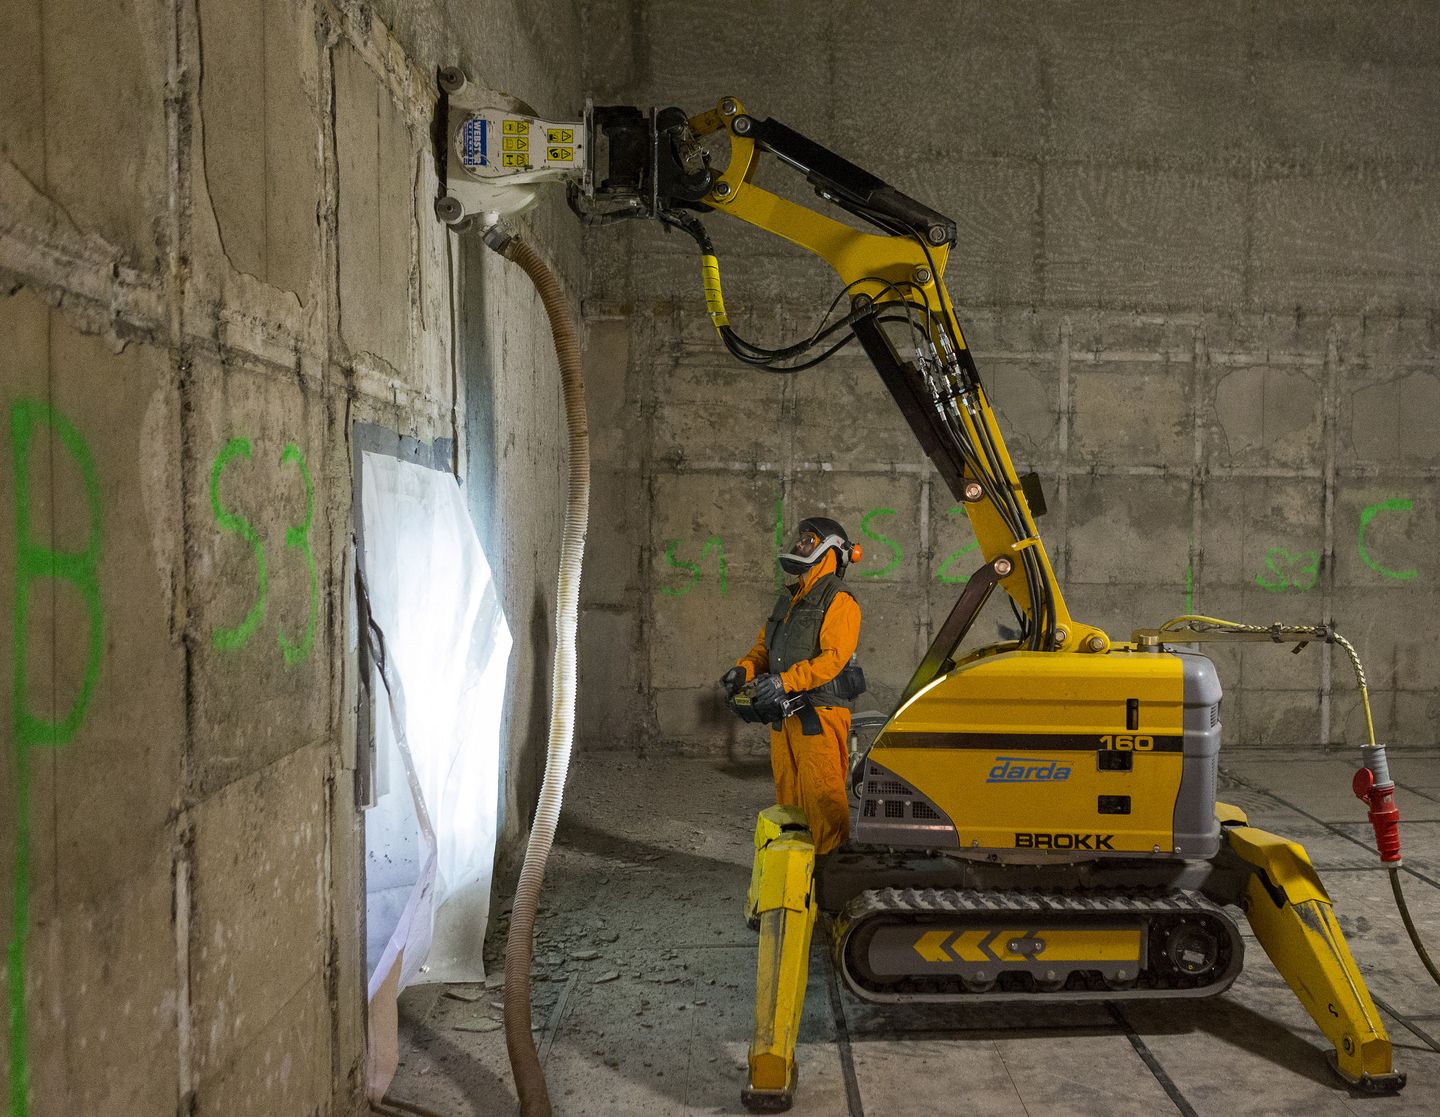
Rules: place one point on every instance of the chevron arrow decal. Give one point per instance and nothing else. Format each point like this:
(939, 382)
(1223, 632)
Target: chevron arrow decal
(931, 946)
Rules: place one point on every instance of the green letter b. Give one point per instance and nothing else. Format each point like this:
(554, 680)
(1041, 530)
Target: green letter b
(35, 560)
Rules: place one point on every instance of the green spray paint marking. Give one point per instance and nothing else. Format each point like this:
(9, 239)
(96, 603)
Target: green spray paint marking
(34, 561)
(714, 546)
(231, 638)
(953, 557)
(1396, 505)
(1283, 570)
(680, 564)
(879, 538)
(298, 537)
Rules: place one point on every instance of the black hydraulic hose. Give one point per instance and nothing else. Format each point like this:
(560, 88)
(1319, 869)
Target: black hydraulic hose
(1039, 587)
(520, 944)
(1410, 926)
(1041, 591)
(997, 492)
(759, 356)
(1003, 500)
(991, 474)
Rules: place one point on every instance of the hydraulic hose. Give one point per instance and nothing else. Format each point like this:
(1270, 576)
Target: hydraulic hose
(1410, 930)
(519, 945)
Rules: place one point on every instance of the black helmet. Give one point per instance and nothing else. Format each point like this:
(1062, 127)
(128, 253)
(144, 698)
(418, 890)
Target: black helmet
(815, 536)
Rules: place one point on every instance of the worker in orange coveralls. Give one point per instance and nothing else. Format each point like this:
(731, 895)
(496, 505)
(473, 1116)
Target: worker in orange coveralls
(805, 647)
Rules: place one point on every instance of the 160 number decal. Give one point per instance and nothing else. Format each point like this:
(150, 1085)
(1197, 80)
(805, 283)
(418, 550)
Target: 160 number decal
(1128, 742)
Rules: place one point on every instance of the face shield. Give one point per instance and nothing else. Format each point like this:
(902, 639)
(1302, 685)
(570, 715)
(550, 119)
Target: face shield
(807, 550)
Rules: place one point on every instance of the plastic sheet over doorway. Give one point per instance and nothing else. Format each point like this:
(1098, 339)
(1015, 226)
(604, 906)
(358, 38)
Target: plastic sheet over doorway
(438, 649)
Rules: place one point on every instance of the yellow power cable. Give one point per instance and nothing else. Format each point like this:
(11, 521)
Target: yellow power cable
(1198, 623)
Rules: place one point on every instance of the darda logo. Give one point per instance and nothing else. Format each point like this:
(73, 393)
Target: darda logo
(1027, 769)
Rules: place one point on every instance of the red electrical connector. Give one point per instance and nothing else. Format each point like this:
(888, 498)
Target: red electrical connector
(1384, 815)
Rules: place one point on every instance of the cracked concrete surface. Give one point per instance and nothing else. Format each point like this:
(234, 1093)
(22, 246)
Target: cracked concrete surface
(194, 260)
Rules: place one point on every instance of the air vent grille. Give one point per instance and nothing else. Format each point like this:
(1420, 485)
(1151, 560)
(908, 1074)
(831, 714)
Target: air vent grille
(892, 805)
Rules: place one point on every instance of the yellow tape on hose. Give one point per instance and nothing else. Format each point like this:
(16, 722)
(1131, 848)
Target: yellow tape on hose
(714, 300)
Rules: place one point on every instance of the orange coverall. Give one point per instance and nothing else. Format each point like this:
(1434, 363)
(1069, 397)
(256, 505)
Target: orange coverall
(810, 771)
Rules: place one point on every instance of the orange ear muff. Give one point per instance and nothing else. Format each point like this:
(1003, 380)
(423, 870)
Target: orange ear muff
(855, 552)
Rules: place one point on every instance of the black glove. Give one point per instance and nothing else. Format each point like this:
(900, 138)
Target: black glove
(766, 694)
(732, 681)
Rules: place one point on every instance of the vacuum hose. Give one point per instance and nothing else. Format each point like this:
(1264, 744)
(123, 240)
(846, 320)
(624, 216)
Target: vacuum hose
(519, 945)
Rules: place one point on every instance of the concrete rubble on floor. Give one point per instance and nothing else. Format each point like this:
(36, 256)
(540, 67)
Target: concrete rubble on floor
(645, 970)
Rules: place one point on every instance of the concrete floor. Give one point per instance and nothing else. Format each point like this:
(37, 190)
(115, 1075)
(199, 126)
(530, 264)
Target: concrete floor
(645, 973)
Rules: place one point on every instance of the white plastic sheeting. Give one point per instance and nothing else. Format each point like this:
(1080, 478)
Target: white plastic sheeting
(439, 682)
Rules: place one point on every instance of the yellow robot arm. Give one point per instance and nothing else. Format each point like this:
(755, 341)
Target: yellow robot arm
(939, 391)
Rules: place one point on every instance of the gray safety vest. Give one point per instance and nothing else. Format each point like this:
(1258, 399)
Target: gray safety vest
(789, 640)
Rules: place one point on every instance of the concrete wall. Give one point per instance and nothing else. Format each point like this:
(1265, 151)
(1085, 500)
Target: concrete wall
(217, 252)
(1199, 266)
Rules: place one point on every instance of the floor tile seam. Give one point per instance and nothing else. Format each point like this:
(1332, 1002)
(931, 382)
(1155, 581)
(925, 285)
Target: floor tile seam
(1338, 833)
(940, 1035)
(854, 1102)
(1431, 881)
(1011, 1077)
(1152, 1063)
(1408, 1022)
(1434, 797)
(1322, 868)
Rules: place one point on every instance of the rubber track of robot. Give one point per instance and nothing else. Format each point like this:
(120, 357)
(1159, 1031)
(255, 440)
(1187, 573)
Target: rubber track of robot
(519, 946)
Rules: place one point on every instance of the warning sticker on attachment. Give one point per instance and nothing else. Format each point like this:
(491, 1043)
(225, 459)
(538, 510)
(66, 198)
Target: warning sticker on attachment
(560, 154)
(560, 135)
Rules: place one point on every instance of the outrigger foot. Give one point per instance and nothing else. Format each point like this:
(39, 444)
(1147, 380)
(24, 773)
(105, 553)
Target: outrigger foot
(758, 1100)
(1292, 916)
(782, 902)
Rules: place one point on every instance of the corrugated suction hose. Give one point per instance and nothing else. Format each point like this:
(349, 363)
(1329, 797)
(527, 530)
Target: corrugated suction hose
(519, 946)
